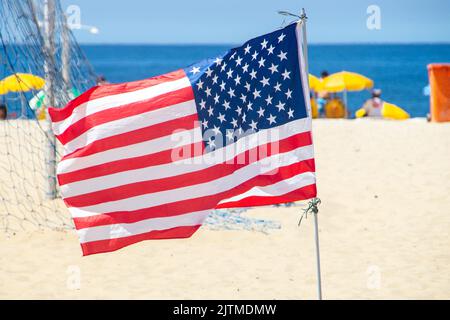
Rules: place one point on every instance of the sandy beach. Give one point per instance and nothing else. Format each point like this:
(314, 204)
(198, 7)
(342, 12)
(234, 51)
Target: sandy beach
(384, 231)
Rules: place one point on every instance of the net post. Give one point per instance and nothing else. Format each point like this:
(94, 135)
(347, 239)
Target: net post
(50, 101)
(65, 55)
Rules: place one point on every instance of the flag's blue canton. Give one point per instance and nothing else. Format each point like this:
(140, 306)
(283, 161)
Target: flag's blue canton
(250, 88)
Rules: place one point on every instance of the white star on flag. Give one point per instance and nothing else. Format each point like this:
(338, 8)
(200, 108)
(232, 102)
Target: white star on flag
(272, 119)
(265, 81)
(247, 49)
(286, 75)
(261, 112)
(264, 44)
(282, 56)
(195, 70)
(256, 94)
(273, 68)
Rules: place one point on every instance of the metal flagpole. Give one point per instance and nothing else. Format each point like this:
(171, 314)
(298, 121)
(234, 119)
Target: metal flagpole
(316, 234)
(314, 203)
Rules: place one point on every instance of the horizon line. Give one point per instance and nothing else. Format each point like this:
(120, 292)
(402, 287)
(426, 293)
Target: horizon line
(235, 44)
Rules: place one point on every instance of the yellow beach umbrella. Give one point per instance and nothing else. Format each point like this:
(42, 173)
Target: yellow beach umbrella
(346, 81)
(314, 82)
(21, 82)
(3, 89)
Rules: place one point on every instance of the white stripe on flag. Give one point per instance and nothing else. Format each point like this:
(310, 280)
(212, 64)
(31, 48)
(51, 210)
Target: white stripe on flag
(114, 231)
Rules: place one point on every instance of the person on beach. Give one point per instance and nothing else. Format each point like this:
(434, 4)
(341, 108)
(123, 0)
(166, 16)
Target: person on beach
(374, 105)
(3, 112)
(322, 96)
(101, 81)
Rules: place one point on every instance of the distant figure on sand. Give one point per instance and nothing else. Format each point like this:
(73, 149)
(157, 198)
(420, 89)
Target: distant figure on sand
(322, 96)
(374, 105)
(101, 81)
(3, 112)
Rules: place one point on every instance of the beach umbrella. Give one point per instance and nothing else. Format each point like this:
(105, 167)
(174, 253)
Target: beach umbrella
(314, 83)
(21, 82)
(345, 81)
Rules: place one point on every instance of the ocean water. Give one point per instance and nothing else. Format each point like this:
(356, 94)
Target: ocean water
(399, 70)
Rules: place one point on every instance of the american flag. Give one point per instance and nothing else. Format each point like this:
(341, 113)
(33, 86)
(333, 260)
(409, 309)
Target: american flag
(151, 159)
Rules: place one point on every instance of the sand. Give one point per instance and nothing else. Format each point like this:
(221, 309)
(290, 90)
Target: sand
(384, 231)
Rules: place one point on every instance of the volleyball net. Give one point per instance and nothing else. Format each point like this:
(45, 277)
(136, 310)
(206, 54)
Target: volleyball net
(41, 64)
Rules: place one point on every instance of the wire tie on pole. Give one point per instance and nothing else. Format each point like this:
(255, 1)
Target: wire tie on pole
(313, 207)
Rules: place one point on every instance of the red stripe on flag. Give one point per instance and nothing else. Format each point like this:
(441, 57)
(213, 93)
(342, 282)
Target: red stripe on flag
(111, 245)
(124, 111)
(111, 89)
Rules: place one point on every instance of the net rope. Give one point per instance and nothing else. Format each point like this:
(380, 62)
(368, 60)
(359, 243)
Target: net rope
(24, 136)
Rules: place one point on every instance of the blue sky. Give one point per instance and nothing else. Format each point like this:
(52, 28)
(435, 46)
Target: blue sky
(234, 21)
